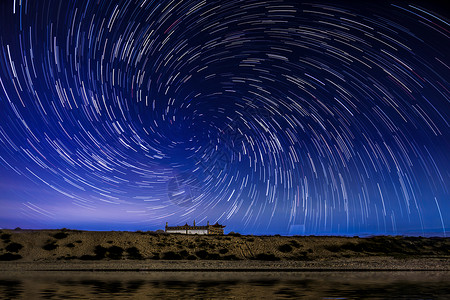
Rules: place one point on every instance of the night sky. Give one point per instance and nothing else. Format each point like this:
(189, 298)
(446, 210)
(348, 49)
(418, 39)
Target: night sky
(266, 116)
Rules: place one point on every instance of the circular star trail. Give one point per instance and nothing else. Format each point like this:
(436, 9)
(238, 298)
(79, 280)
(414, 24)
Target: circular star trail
(267, 116)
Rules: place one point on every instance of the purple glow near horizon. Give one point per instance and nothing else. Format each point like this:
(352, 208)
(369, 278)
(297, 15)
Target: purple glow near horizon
(266, 116)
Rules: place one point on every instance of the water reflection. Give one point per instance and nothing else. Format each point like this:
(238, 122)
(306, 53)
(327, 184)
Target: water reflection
(216, 285)
(10, 289)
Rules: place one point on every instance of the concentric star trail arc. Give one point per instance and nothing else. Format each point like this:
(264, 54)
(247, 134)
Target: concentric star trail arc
(268, 116)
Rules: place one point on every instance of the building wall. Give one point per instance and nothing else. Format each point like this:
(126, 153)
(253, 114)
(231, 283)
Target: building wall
(175, 231)
(198, 231)
(190, 231)
(194, 229)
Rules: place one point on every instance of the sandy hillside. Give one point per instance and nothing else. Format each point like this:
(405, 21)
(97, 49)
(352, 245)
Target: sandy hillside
(73, 245)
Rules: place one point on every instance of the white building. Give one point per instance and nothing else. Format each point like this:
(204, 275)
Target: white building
(215, 229)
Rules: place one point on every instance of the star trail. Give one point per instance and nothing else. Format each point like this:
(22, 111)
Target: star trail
(267, 116)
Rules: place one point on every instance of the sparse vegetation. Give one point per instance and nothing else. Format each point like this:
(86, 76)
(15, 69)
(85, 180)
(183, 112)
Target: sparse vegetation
(89, 257)
(184, 253)
(202, 254)
(5, 237)
(286, 248)
(170, 255)
(332, 248)
(134, 253)
(60, 235)
(230, 257)
(302, 256)
(267, 257)
(115, 252)
(393, 246)
(213, 256)
(295, 244)
(232, 233)
(51, 245)
(130, 246)
(67, 257)
(100, 252)
(9, 257)
(14, 247)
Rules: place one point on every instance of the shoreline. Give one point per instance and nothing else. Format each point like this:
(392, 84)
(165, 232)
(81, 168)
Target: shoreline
(374, 264)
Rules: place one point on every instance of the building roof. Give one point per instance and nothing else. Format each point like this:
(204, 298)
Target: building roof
(217, 225)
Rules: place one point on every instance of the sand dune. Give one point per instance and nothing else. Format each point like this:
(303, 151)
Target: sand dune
(91, 249)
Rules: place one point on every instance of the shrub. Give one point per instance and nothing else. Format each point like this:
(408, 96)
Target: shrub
(333, 248)
(170, 255)
(302, 256)
(89, 257)
(155, 256)
(285, 248)
(267, 257)
(100, 251)
(204, 245)
(202, 254)
(10, 256)
(223, 251)
(133, 253)
(50, 246)
(5, 236)
(14, 247)
(115, 252)
(231, 257)
(68, 257)
(191, 257)
(60, 235)
(295, 244)
(213, 256)
(184, 253)
(374, 246)
(70, 245)
(234, 233)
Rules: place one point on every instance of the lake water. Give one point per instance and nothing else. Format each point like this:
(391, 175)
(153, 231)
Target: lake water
(225, 285)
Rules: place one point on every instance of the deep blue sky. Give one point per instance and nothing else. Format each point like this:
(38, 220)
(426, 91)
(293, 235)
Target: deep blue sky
(266, 116)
